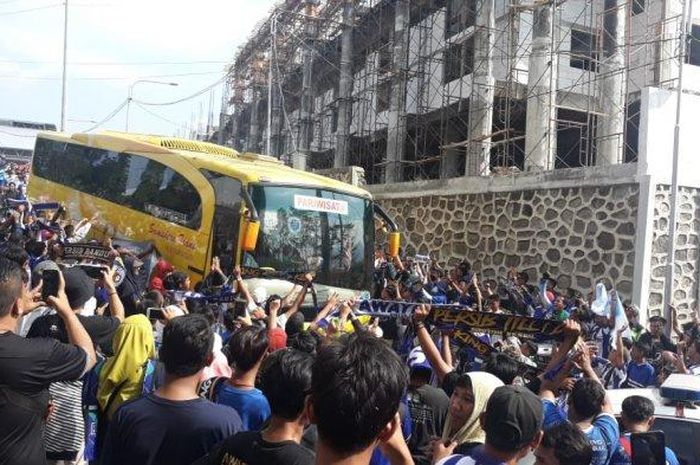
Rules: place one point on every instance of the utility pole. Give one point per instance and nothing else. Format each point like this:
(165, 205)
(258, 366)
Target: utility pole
(65, 54)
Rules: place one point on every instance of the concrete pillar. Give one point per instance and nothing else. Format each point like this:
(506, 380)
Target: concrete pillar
(540, 125)
(396, 131)
(277, 138)
(482, 94)
(449, 165)
(342, 146)
(220, 136)
(611, 125)
(252, 144)
(643, 246)
(306, 107)
(235, 125)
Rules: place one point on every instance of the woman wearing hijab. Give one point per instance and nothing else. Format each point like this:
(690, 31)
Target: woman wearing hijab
(123, 377)
(129, 290)
(462, 429)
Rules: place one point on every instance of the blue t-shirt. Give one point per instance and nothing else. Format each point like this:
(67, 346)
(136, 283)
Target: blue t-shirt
(152, 431)
(378, 457)
(553, 415)
(620, 457)
(476, 457)
(438, 291)
(639, 375)
(250, 404)
(603, 433)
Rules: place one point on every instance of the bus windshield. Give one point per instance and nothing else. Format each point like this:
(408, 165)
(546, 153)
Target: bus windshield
(316, 230)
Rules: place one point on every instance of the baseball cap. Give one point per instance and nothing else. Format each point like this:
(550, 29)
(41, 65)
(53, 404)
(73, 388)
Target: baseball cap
(656, 318)
(513, 418)
(44, 265)
(79, 287)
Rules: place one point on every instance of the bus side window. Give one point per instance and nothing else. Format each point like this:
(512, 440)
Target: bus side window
(227, 216)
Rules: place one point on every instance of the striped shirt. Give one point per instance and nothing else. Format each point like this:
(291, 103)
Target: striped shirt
(65, 429)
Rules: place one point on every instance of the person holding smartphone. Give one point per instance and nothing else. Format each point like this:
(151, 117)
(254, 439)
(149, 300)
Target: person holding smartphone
(65, 430)
(637, 417)
(29, 367)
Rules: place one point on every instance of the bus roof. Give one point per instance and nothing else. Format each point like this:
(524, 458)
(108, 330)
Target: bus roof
(249, 167)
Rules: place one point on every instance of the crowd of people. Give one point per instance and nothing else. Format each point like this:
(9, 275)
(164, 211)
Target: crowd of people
(147, 367)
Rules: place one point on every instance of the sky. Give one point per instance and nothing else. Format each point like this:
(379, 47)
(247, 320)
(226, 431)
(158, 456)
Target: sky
(111, 44)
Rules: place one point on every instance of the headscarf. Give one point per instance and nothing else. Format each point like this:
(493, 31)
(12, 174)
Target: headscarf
(133, 346)
(130, 284)
(219, 366)
(161, 269)
(483, 385)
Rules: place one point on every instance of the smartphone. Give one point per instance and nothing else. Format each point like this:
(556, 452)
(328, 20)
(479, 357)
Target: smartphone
(93, 271)
(155, 313)
(648, 448)
(50, 279)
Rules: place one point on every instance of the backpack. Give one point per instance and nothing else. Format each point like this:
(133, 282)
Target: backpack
(95, 418)
(209, 389)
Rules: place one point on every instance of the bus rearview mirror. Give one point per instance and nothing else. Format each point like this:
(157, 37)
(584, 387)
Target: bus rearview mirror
(394, 243)
(250, 237)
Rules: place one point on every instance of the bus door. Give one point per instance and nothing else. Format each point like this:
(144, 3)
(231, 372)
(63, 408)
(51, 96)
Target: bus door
(227, 217)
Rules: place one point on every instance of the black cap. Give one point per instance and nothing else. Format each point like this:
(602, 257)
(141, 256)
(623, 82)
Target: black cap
(513, 418)
(656, 318)
(79, 287)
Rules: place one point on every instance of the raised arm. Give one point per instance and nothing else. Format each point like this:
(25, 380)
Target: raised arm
(308, 279)
(549, 387)
(241, 287)
(679, 359)
(674, 323)
(479, 299)
(431, 351)
(330, 305)
(445, 349)
(272, 315)
(572, 330)
(116, 307)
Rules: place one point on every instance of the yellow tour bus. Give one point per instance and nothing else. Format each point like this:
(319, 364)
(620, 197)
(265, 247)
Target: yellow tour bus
(195, 200)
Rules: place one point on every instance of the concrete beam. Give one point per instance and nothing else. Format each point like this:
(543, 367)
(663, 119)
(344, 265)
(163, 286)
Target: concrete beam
(299, 160)
(540, 125)
(396, 130)
(276, 137)
(482, 93)
(643, 246)
(625, 173)
(253, 141)
(611, 127)
(341, 157)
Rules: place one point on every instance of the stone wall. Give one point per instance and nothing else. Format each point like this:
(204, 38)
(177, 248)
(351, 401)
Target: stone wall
(578, 234)
(687, 258)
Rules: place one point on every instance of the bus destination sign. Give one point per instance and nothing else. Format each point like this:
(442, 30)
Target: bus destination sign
(318, 204)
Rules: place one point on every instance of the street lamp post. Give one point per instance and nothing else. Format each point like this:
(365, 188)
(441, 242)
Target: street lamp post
(63, 72)
(131, 93)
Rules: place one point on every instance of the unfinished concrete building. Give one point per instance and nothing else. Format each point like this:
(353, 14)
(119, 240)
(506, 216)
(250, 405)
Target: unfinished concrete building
(430, 89)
